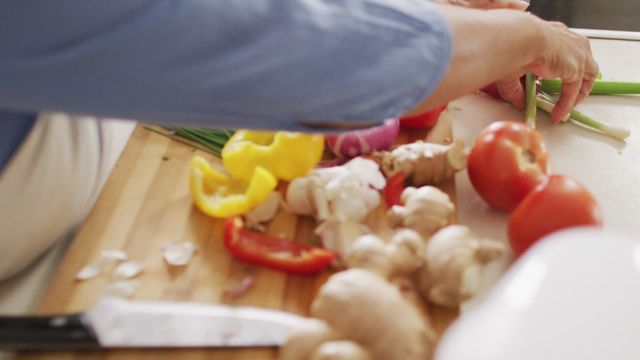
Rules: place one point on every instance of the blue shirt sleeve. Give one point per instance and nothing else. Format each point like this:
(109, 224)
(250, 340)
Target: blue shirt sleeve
(279, 64)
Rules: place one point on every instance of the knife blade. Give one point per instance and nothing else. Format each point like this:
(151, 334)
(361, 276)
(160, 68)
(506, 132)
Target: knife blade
(119, 323)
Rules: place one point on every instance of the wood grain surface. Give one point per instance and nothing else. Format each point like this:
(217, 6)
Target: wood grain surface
(146, 204)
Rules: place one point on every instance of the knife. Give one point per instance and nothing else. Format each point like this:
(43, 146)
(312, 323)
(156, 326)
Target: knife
(119, 323)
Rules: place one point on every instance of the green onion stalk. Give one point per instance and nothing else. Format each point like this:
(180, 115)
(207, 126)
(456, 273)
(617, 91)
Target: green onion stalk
(530, 108)
(206, 140)
(546, 103)
(600, 87)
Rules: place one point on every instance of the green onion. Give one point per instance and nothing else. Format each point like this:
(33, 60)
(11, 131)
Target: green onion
(546, 103)
(600, 87)
(530, 109)
(209, 141)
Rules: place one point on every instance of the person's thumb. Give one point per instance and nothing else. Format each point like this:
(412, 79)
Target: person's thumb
(512, 91)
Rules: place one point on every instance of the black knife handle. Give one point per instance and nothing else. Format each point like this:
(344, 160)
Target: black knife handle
(46, 333)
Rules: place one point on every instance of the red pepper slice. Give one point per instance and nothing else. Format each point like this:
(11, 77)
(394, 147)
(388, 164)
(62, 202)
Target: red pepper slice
(423, 120)
(392, 192)
(272, 252)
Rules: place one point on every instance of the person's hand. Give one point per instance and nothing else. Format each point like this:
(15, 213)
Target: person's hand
(490, 4)
(569, 58)
(566, 55)
(510, 88)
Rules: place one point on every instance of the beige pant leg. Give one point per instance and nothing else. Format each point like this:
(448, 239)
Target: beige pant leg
(47, 189)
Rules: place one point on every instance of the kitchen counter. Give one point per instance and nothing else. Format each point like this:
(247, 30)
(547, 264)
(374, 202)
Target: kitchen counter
(608, 167)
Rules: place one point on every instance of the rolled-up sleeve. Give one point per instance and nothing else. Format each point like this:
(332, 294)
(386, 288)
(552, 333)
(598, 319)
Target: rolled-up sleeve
(224, 63)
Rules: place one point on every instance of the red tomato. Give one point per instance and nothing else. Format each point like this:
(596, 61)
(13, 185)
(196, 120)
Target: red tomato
(558, 203)
(423, 120)
(274, 253)
(392, 192)
(506, 162)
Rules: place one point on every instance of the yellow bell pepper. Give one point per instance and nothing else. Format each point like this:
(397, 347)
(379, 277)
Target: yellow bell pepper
(286, 155)
(221, 196)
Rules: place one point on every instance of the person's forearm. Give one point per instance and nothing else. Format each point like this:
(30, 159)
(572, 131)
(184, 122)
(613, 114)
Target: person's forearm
(487, 46)
(226, 63)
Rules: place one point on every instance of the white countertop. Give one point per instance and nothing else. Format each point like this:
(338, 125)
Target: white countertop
(608, 167)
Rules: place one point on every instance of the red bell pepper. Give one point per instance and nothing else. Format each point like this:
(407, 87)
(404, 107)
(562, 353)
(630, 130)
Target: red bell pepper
(423, 120)
(272, 252)
(392, 192)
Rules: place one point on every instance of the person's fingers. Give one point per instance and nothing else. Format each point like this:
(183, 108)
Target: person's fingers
(512, 91)
(570, 91)
(490, 4)
(585, 90)
(589, 78)
(518, 5)
(569, 58)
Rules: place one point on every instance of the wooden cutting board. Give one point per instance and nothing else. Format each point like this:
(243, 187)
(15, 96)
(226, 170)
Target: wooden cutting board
(146, 204)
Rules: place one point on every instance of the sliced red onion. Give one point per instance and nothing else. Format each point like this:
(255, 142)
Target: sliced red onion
(363, 142)
(236, 292)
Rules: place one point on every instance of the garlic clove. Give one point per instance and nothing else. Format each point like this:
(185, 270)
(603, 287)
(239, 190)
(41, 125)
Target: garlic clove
(264, 212)
(124, 289)
(90, 271)
(118, 255)
(128, 269)
(178, 254)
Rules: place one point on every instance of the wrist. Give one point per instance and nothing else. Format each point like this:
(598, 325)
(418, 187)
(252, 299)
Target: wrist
(536, 45)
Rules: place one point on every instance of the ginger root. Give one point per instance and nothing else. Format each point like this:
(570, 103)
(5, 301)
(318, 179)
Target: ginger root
(426, 210)
(370, 253)
(400, 257)
(341, 350)
(373, 313)
(305, 339)
(406, 248)
(454, 260)
(423, 163)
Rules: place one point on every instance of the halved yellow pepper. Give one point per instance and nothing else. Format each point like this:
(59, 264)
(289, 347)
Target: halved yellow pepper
(286, 155)
(221, 196)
